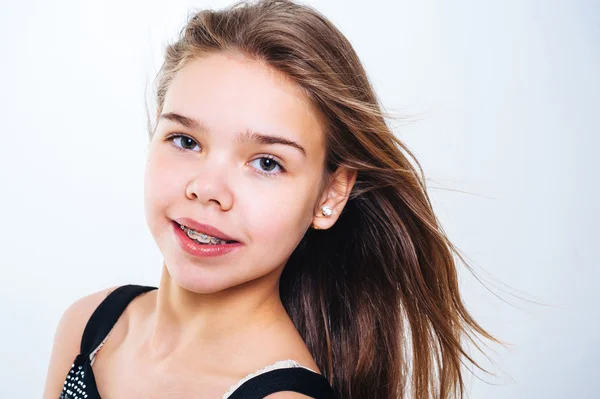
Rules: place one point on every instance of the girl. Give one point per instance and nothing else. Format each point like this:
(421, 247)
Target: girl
(302, 257)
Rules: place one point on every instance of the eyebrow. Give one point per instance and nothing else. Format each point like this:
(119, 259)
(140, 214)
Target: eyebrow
(248, 136)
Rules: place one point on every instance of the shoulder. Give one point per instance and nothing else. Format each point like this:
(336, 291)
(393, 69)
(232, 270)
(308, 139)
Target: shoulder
(67, 339)
(74, 319)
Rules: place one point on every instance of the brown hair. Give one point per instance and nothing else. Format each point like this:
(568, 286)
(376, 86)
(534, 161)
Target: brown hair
(376, 296)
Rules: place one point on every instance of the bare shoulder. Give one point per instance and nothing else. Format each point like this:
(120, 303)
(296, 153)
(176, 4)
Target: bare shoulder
(67, 339)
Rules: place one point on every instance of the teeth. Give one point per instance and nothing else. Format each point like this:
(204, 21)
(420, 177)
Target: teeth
(201, 237)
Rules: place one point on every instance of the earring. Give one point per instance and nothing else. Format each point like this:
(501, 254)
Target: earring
(326, 210)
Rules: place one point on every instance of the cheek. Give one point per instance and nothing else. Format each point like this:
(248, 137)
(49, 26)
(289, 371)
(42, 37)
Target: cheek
(161, 185)
(279, 217)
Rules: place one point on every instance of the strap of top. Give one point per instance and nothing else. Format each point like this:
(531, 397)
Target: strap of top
(106, 315)
(295, 379)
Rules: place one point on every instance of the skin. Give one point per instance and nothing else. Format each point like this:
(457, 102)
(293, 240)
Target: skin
(190, 337)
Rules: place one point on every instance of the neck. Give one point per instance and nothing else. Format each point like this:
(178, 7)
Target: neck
(220, 323)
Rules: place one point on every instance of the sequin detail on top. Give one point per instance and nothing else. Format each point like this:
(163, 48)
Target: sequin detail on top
(281, 364)
(76, 383)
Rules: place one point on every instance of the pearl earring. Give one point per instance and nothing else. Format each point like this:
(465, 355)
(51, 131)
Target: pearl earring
(326, 210)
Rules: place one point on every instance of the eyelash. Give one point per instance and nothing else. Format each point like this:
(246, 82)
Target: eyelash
(173, 136)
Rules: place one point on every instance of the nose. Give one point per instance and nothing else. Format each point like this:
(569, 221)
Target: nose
(210, 186)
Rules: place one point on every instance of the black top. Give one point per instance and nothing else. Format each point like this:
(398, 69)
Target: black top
(81, 384)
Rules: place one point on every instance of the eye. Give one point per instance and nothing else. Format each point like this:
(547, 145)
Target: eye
(183, 142)
(265, 165)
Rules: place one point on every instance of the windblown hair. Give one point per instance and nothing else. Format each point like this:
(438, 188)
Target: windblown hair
(375, 297)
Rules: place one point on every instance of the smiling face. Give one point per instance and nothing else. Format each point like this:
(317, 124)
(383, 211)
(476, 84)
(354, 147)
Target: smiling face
(209, 161)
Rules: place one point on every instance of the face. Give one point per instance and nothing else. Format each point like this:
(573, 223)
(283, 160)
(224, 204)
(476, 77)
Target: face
(207, 163)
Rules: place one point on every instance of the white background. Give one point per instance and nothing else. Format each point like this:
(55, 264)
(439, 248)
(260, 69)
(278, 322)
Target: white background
(507, 98)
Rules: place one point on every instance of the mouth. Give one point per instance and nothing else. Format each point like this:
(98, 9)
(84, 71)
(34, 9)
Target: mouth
(203, 238)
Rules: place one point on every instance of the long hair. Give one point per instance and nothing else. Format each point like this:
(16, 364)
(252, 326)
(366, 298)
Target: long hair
(375, 297)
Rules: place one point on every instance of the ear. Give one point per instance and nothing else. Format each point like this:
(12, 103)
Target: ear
(335, 196)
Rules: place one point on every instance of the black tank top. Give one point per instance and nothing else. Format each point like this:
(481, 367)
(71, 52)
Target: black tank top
(81, 384)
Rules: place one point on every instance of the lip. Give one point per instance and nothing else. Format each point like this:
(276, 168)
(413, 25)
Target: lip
(202, 250)
(204, 228)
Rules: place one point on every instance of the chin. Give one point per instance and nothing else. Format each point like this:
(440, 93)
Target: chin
(199, 287)
(197, 279)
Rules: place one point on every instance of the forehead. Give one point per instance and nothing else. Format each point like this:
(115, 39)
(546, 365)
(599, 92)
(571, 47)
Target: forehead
(230, 93)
